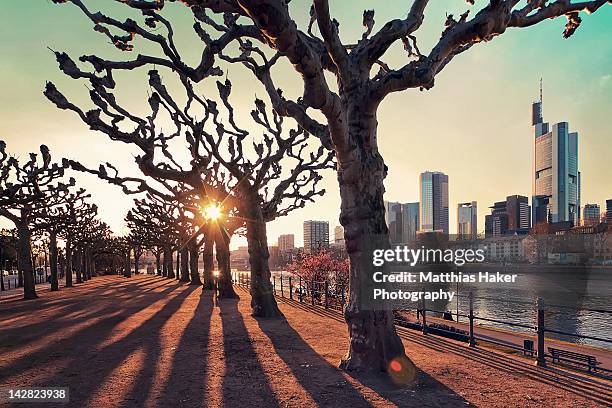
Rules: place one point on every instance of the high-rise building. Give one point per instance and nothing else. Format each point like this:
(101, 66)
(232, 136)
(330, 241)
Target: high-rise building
(556, 179)
(316, 235)
(467, 220)
(434, 202)
(286, 242)
(591, 214)
(508, 217)
(339, 235)
(402, 221)
(410, 221)
(393, 218)
(519, 214)
(609, 212)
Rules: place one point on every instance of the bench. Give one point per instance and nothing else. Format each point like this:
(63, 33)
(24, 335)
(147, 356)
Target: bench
(573, 357)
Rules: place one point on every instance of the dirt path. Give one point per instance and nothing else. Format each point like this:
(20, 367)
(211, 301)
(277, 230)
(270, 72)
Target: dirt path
(157, 343)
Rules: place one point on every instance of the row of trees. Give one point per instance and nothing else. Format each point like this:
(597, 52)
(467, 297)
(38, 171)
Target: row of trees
(335, 118)
(45, 206)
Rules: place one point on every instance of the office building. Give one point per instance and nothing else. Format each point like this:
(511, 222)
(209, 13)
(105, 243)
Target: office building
(402, 221)
(339, 235)
(393, 219)
(286, 242)
(609, 212)
(433, 213)
(467, 220)
(509, 217)
(316, 235)
(591, 214)
(410, 221)
(556, 179)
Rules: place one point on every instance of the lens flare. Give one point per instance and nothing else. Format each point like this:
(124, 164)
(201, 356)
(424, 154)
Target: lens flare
(402, 371)
(212, 212)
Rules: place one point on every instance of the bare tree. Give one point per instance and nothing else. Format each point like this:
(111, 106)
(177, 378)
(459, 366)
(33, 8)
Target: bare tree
(24, 189)
(255, 178)
(350, 110)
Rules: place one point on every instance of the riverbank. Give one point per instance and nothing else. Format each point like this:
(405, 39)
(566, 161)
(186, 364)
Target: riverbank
(152, 342)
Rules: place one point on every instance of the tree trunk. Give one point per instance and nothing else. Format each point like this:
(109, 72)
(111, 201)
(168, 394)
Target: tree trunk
(374, 343)
(168, 262)
(178, 264)
(225, 286)
(84, 265)
(185, 265)
(53, 260)
(158, 267)
(209, 261)
(68, 271)
(193, 263)
(127, 265)
(136, 262)
(263, 303)
(24, 253)
(77, 264)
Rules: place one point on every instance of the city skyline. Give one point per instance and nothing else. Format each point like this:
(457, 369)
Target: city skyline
(484, 130)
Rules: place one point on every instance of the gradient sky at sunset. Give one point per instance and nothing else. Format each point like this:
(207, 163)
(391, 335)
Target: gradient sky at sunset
(473, 125)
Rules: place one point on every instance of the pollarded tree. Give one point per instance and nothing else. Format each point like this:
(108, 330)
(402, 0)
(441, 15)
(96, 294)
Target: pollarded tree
(349, 110)
(258, 177)
(80, 214)
(24, 189)
(55, 217)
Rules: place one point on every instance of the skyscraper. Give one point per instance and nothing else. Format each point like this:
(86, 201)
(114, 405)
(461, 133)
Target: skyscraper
(467, 220)
(402, 221)
(519, 217)
(410, 221)
(508, 217)
(316, 235)
(286, 242)
(434, 201)
(556, 179)
(393, 218)
(609, 211)
(591, 214)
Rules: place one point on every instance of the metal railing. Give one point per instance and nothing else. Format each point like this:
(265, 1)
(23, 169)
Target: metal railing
(322, 293)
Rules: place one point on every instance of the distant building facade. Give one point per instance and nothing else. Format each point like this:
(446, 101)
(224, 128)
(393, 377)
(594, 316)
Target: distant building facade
(467, 220)
(286, 242)
(591, 214)
(433, 187)
(510, 217)
(393, 219)
(316, 235)
(339, 235)
(402, 221)
(609, 211)
(410, 221)
(556, 179)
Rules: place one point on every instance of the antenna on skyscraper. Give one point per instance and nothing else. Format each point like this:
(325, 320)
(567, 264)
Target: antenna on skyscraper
(540, 90)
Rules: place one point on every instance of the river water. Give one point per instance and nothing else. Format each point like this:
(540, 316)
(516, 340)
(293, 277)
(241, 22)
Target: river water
(576, 300)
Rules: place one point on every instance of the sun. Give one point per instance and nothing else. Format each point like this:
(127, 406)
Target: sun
(212, 212)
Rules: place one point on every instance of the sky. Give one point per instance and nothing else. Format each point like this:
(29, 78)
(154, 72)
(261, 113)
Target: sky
(474, 125)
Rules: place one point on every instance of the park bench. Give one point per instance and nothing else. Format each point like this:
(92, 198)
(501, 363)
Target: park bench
(573, 357)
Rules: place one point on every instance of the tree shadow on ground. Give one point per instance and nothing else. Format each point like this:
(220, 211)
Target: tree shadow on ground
(82, 355)
(243, 370)
(69, 315)
(579, 385)
(327, 384)
(190, 361)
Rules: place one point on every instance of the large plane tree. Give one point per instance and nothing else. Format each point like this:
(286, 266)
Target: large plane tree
(343, 114)
(25, 188)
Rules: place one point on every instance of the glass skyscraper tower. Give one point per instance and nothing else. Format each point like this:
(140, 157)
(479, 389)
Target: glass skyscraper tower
(434, 201)
(556, 179)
